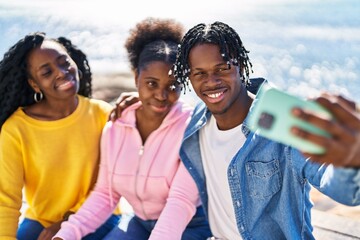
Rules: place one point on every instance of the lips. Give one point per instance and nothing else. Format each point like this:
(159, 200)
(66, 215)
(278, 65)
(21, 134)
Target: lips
(65, 84)
(160, 108)
(214, 96)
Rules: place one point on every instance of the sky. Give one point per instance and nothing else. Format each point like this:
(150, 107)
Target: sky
(303, 47)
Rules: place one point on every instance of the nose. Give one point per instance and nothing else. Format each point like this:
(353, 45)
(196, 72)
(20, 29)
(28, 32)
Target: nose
(161, 94)
(212, 79)
(62, 72)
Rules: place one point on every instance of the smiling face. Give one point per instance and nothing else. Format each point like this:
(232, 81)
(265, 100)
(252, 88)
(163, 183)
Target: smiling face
(213, 81)
(52, 71)
(157, 90)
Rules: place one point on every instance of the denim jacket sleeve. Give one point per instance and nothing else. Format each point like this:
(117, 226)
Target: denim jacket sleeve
(340, 184)
(343, 184)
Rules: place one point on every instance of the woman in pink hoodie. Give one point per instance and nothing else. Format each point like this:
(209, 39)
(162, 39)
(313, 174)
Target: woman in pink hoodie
(139, 151)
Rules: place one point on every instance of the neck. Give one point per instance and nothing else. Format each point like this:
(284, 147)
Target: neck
(63, 109)
(237, 113)
(52, 110)
(146, 124)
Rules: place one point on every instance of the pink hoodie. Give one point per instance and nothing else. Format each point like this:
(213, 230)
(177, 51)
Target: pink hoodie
(150, 177)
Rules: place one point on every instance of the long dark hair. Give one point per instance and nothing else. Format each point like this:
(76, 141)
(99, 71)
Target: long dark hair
(15, 90)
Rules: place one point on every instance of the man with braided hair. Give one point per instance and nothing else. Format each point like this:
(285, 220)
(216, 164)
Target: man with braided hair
(49, 139)
(250, 187)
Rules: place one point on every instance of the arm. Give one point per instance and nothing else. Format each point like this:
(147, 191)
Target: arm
(180, 207)
(98, 206)
(11, 183)
(124, 100)
(343, 148)
(340, 184)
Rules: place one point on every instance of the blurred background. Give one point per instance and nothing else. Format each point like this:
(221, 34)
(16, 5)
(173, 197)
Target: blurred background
(303, 46)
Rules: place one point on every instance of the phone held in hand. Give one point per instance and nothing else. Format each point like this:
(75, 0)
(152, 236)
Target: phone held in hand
(271, 117)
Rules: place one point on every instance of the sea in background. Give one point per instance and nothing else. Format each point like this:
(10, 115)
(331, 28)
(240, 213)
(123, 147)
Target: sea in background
(303, 47)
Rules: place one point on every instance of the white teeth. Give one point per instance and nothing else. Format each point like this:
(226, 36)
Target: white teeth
(65, 83)
(214, 95)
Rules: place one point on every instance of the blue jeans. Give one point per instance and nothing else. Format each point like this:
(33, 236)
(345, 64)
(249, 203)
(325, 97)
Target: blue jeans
(31, 229)
(132, 227)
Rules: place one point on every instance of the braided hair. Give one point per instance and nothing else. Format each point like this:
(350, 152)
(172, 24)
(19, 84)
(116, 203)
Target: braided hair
(15, 90)
(153, 39)
(231, 47)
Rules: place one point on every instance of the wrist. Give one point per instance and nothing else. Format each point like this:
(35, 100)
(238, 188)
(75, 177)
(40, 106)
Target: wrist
(67, 215)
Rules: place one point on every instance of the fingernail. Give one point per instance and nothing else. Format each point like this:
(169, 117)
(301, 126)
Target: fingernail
(294, 130)
(296, 111)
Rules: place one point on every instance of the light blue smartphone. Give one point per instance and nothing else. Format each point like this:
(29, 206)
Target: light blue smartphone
(271, 117)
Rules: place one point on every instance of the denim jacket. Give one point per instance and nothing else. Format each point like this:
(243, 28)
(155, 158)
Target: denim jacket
(269, 183)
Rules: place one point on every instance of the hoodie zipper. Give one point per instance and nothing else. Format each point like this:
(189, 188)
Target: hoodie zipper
(141, 152)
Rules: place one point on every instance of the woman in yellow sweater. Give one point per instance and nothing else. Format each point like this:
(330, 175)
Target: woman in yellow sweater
(49, 139)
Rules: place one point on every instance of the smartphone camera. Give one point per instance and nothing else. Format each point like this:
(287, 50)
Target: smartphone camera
(266, 120)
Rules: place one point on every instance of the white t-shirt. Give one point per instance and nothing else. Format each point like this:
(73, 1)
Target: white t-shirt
(217, 150)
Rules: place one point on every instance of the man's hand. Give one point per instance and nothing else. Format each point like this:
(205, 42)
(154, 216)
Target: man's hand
(343, 147)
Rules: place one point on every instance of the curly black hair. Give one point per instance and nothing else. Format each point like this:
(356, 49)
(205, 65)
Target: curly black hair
(231, 49)
(153, 39)
(15, 90)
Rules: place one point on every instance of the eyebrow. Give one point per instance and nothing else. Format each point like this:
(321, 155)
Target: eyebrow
(47, 64)
(42, 66)
(217, 65)
(152, 78)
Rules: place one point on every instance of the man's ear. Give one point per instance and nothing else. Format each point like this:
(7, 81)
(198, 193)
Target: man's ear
(33, 85)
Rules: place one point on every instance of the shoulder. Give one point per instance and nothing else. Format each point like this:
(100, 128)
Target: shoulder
(183, 107)
(199, 114)
(254, 84)
(97, 104)
(13, 126)
(14, 119)
(200, 109)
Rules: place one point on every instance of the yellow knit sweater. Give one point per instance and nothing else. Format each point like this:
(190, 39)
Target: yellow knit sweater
(54, 163)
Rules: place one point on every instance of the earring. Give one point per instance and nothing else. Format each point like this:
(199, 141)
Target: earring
(38, 96)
